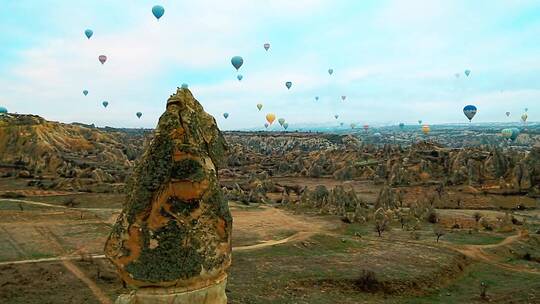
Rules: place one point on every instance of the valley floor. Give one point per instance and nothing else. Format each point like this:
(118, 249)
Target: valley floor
(52, 253)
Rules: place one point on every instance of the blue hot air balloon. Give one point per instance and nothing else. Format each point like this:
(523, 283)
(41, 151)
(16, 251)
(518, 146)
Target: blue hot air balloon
(330, 71)
(158, 11)
(239, 77)
(3, 110)
(336, 116)
(139, 114)
(285, 126)
(266, 125)
(105, 104)
(184, 86)
(237, 62)
(526, 109)
(288, 84)
(316, 98)
(88, 33)
(419, 121)
(226, 115)
(85, 92)
(510, 133)
(469, 111)
(467, 73)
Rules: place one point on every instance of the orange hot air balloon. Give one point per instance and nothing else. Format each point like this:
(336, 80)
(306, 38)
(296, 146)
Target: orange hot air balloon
(270, 117)
(426, 129)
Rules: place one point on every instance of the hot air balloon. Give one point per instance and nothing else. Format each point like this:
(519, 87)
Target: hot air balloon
(510, 133)
(158, 11)
(341, 124)
(366, 128)
(353, 125)
(426, 129)
(288, 84)
(139, 114)
(266, 46)
(3, 110)
(330, 71)
(343, 97)
(259, 106)
(285, 126)
(102, 58)
(336, 116)
(419, 121)
(266, 125)
(281, 121)
(237, 62)
(526, 109)
(184, 86)
(524, 117)
(239, 77)
(401, 125)
(88, 33)
(469, 111)
(225, 115)
(467, 72)
(316, 98)
(270, 117)
(105, 104)
(85, 92)
(507, 114)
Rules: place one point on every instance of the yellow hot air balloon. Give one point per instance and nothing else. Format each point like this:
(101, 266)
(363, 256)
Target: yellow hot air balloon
(270, 117)
(426, 129)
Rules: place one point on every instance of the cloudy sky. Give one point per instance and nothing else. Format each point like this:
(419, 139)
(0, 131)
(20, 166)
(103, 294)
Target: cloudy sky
(396, 61)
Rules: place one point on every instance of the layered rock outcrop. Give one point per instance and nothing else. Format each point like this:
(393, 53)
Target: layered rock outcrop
(173, 237)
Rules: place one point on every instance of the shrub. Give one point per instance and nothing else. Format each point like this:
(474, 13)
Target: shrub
(368, 281)
(70, 202)
(432, 216)
(477, 216)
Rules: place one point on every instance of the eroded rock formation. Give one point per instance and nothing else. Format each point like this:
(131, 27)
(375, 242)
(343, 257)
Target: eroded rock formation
(173, 236)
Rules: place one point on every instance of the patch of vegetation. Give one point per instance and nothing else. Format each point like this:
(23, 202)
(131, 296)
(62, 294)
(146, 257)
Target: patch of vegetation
(170, 260)
(11, 194)
(182, 207)
(155, 167)
(501, 286)
(188, 169)
(473, 238)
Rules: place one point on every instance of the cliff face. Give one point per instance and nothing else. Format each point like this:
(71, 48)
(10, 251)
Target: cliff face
(175, 226)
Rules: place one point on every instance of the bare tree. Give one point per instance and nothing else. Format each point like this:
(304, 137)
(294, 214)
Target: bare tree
(381, 221)
(439, 231)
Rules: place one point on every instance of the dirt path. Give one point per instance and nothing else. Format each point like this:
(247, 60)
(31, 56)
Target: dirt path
(477, 252)
(299, 236)
(55, 206)
(51, 259)
(95, 289)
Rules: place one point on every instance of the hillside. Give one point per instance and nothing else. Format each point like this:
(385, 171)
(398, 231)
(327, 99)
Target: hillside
(73, 155)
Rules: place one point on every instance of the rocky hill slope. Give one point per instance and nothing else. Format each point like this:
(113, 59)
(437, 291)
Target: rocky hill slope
(73, 155)
(84, 158)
